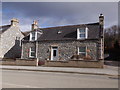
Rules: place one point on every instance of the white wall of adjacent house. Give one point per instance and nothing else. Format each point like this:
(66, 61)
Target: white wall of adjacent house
(8, 39)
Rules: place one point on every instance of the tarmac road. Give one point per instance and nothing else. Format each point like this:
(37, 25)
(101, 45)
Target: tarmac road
(33, 79)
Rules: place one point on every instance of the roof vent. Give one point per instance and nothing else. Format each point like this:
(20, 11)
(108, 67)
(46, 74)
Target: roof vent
(59, 32)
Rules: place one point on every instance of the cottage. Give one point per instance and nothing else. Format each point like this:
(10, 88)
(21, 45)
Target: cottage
(10, 37)
(64, 43)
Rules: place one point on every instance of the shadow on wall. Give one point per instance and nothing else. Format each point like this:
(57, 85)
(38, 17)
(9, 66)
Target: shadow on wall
(15, 51)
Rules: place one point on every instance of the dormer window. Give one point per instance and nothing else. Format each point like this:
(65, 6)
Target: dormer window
(82, 33)
(33, 36)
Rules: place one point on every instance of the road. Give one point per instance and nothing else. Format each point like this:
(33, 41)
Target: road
(32, 79)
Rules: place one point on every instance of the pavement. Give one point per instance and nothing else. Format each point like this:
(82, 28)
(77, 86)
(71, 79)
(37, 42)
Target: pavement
(107, 70)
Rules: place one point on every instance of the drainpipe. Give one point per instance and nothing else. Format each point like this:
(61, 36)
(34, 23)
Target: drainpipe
(37, 53)
(22, 49)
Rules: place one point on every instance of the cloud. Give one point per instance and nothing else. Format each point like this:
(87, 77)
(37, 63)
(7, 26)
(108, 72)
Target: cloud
(58, 13)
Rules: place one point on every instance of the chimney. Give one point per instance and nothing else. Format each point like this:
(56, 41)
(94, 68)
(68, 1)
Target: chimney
(101, 19)
(101, 23)
(14, 22)
(101, 33)
(34, 25)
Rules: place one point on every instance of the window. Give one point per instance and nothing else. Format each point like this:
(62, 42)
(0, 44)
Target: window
(33, 36)
(82, 51)
(32, 52)
(18, 41)
(17, 38)
(82, 33)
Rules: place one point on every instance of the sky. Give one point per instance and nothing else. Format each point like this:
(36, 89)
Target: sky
(51, 14)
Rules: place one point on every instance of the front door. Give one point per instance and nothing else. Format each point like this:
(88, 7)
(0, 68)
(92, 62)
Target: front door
(54, 53)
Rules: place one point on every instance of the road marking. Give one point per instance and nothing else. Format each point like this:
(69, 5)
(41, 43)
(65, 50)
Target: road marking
(27, 86)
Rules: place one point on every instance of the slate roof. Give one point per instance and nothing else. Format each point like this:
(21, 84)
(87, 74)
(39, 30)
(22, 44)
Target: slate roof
(4, 28)
(25, 33)
(68, 32)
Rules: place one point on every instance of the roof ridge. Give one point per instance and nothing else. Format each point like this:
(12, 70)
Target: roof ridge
(70, 25)
(4, 25)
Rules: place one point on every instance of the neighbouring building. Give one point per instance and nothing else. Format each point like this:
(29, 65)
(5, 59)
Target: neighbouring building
(10, 38)
(64, 43)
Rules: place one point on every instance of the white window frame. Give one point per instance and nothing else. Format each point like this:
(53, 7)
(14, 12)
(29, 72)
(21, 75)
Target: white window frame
(35, 36)
(82, 52)
(30, 51)
(78, 33)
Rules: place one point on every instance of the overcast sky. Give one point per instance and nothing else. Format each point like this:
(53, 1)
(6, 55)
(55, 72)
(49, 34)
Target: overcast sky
(51, 14)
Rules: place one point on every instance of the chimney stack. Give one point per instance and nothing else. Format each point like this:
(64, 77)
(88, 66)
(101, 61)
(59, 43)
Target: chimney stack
(101, 23)
(101, 19)
(14, 22)
(101, 33)
(34, 25)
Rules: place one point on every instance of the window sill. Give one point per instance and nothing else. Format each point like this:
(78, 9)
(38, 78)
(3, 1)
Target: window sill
(32, 40)
(32, 57)
(81, 38)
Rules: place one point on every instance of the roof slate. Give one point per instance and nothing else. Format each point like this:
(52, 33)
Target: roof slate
(25, 33)
(4, 28)
(67, 32)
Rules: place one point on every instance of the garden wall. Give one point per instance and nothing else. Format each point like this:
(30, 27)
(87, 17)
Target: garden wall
(75, 63)
(19, 62)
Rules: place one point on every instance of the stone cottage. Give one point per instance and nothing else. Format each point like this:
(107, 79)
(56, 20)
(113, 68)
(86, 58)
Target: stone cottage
(10, 37)
(64, 43)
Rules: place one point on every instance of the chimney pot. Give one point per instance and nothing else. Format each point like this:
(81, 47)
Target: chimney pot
(14, 22)
(34, 25)
(101, 19)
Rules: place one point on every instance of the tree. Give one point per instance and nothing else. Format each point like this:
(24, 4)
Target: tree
(112, 35)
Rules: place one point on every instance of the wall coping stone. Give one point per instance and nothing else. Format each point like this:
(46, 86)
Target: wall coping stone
(74, 60)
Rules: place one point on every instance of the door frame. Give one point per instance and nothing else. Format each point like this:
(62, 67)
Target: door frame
(57, 53)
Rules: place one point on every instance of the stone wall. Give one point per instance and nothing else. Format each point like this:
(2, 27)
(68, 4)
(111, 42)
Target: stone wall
(66, 49)
(75, 63)
(25, 49)
(24, 62)
(9, 44)
(8, 62)
(19, 62)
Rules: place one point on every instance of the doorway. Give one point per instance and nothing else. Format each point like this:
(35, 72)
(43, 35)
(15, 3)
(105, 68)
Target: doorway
(54, 53)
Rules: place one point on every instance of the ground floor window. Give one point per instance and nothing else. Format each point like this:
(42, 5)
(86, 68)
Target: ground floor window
(82, 51)
(32, 52)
